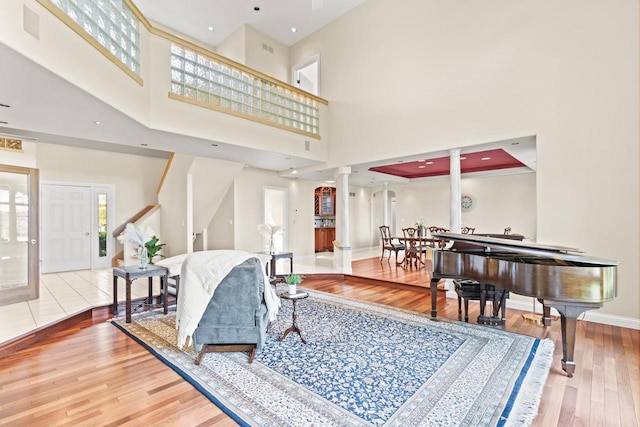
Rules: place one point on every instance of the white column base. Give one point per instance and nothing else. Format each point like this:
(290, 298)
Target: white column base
(342, 258)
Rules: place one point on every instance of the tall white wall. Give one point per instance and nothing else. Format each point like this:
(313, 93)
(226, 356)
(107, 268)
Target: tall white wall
(135, 177)
(443, 75)
(233, 47)
(359, 217)
(273, 61)
(174, 205)
(254, 49)
(212, 179)
(220, 232)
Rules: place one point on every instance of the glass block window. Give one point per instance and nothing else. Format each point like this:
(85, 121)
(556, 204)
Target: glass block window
(111, 23)
(207, 80)
(10, 144)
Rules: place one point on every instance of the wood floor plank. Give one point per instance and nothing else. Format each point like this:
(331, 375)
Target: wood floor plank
(93, 374)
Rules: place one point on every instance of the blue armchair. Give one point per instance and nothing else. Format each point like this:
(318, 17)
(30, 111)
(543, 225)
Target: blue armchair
(236, 318)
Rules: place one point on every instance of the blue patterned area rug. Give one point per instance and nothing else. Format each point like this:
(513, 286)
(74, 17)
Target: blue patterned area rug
(364, 365)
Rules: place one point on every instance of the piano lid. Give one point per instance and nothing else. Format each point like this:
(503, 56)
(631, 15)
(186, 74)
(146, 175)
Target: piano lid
(527, 248)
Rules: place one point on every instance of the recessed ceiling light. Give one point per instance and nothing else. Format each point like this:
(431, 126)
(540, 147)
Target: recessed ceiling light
(486, 158)
(210, 28)
(97, 122)
(429, 163)
(5, 105)
(294, 29)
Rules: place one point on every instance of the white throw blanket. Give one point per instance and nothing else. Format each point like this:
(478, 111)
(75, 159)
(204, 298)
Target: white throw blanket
(201, 273)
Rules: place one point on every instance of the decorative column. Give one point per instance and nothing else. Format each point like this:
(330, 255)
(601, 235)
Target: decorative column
(342, 247)
(385, 204)
(455, 210)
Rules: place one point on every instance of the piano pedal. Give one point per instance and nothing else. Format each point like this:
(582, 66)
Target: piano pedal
(533, 318)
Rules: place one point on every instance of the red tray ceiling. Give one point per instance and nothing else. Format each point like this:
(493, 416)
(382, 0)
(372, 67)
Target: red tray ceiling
(469, 162)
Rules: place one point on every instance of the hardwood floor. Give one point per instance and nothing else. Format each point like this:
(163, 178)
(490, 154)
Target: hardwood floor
(92, 374)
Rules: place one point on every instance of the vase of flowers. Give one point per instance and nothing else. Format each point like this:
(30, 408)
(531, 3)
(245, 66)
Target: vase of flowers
(145, 242)
(269, 231)
(292, 281)
(420, 226)
(143, 257)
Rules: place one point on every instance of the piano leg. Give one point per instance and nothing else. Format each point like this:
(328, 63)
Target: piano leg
(434, 297)
(568, 344)
(569, 314)
(546, 315)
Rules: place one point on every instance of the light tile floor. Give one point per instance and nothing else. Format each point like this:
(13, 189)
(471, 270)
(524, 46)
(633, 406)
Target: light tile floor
(66, 293)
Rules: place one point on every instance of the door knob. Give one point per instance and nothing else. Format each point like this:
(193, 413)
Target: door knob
(86, 234)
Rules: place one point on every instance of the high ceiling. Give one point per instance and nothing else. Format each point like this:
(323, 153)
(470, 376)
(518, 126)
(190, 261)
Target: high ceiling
(274, 18)
(36, 112)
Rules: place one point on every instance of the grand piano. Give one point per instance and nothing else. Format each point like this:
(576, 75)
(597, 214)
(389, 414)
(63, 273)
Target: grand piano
(558, 277)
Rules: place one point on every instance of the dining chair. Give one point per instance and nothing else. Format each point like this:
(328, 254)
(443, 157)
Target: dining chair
(414, 247)
(388, 243)
(435, 229)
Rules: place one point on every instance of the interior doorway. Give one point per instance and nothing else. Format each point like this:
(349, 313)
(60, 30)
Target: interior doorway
(306, 75)
(275, 215)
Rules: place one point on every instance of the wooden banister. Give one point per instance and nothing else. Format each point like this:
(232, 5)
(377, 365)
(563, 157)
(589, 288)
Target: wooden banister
(164, 174)
(135, 219)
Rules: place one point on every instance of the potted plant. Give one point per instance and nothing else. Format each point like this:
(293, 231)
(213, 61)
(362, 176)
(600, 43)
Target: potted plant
(153, 247)
(292, 280)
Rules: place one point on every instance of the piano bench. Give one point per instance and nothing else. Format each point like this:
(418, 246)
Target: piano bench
(472, 290)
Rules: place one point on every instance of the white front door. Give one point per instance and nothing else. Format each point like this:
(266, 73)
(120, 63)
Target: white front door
(66, 228)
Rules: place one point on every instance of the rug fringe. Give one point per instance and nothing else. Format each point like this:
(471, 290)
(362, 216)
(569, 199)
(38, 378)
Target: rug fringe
(525, 407)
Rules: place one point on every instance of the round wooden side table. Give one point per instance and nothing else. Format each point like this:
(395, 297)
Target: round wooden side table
(294, 327)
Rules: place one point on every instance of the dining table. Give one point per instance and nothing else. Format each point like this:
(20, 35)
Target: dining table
(415, 247)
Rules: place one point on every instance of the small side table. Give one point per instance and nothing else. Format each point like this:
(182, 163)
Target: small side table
(132, 272)
(276, 256)
(294, 327)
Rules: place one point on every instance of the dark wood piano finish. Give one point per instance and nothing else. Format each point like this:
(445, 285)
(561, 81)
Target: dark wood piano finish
(558, 277)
